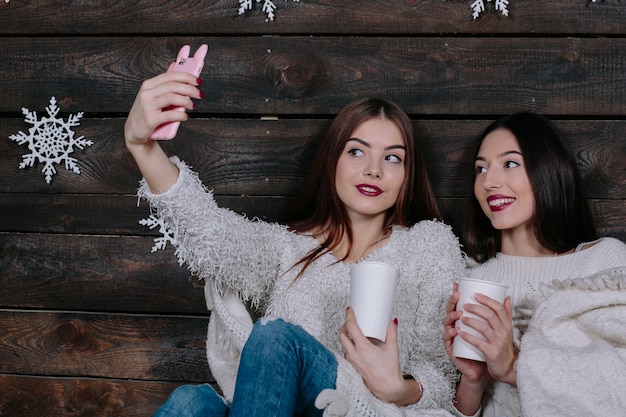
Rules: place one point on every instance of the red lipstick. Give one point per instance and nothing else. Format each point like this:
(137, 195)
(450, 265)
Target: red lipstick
(369, 190)
(498, 202)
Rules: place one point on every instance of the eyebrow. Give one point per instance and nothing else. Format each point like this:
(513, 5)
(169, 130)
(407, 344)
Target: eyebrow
(500, 155)
(364, 143)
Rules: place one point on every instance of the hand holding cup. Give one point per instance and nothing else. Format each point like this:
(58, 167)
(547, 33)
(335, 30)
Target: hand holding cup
(467, 289)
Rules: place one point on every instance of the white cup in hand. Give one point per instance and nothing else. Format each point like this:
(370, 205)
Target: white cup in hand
(467, 289)
(372, 295)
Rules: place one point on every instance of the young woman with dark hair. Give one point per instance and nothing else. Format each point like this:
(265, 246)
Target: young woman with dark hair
(367, 198)
(528, 224)
(553, 175)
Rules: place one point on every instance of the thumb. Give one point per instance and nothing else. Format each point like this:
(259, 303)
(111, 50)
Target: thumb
(391, 338)
(507, 306)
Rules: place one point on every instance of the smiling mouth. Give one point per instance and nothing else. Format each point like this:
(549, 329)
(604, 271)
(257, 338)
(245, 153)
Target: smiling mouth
(499, 202)
(369, 190)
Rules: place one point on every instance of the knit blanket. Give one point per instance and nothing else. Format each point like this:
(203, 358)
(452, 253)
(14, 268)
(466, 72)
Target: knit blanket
(572, 360)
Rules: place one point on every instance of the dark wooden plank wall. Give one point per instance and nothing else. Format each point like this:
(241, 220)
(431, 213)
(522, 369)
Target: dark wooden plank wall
(94, 324)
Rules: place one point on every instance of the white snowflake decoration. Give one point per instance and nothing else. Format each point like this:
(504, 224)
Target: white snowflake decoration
(160, 242)
(268, 7)
(50, 140)
(478, 6)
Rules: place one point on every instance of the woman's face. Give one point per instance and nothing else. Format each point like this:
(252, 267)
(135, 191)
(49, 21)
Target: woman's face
(370, 169)
(501, 186)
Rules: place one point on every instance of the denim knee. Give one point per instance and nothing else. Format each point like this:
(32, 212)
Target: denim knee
(194, 401)
(191, 393)
(268, 327)
(276, 340)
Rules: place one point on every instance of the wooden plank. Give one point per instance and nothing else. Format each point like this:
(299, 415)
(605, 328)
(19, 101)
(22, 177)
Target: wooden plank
(110, 214)
(246, 157)
(95, 273)
(27, 396)
(233, 156)
(311, 16)
(46, 214)
(104, 346)
(610, 217)
(299, 75)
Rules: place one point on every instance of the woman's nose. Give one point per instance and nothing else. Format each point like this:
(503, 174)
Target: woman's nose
(491, 180)
(373, 169)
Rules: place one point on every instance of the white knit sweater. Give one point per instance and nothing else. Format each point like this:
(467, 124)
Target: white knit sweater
(573, 356)
(251, 261)
(525, 276)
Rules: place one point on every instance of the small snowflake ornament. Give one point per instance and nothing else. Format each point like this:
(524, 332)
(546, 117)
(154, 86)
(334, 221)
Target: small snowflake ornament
(50, 140)
(160, 242)
(478, 6)
(268, 7)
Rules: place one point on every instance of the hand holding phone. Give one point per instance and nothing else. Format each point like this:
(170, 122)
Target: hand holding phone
(184, 63)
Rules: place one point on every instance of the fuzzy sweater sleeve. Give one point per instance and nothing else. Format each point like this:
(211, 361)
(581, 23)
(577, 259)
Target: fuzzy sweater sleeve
(237, 253)
(439, 263)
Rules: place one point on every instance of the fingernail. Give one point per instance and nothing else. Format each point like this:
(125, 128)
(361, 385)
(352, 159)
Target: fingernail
(198, 81)
(201, 94)
(395, 321)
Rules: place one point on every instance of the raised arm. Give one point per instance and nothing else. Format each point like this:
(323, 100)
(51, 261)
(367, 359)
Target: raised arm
(150, 110)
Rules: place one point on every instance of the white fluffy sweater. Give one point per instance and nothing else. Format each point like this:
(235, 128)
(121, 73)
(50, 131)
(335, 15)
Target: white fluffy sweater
(525, 277)
(251, 261)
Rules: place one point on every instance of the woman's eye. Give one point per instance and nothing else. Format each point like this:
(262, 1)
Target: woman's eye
(479, 169)
(511, 164)
(355, 152)
(393, 158)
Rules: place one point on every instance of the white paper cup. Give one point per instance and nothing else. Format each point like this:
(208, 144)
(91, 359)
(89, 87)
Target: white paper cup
(467, 289)
(372, 294)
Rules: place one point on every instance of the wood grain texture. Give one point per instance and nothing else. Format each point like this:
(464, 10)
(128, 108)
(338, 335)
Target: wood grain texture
(298, 75)
(49, 396)
(94, 273)
(104, 346)
(420, 17)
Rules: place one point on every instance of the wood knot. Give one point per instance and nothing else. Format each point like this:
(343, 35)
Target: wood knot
(571, 55)
(95, 398)
(295, 74)
(70, 334)
(67, 332)
(443, 56)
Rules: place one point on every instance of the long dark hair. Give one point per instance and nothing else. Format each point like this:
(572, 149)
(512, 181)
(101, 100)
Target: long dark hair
(319, 205)
(562, 215)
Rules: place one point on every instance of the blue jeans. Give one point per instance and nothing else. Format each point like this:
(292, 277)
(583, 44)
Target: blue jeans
(281, 372)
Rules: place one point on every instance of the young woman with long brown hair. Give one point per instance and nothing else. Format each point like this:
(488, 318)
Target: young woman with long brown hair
(367, 197)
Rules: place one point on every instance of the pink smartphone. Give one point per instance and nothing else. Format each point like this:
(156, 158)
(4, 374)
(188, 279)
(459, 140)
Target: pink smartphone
(184, 63)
